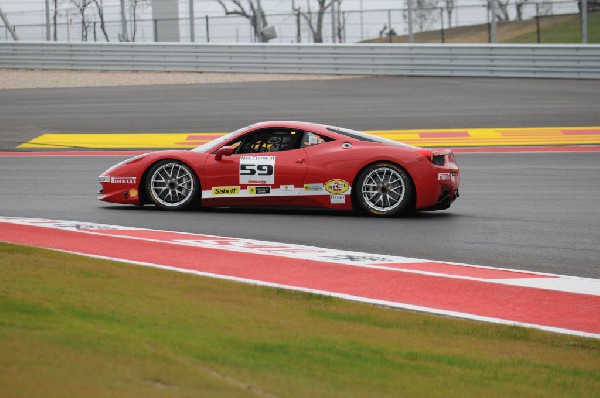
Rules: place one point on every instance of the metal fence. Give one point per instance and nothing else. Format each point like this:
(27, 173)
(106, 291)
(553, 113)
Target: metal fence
(528, 23)
(555, 61)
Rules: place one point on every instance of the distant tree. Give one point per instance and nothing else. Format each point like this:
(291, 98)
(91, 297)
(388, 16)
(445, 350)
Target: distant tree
(501, 13)
(315, 20)
(100, 9)
(450, 6)
(502, 10)
(519, 4)
(246, 9)
(55, 18)
(82, 8)
(424, 13)
(546, 8)
(134, 7)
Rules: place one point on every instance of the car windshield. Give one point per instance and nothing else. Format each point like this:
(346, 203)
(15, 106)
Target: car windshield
(366, 137)
(218, 141)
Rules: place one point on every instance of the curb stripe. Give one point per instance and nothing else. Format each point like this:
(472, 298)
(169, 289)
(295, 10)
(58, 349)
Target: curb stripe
(425, 138)
(322, 270)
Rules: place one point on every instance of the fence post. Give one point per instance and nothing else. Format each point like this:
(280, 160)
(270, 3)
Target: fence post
(344, 40)
(389, 26)
(298, 28)
(333, 27)
(442, 24)
(192, 27)
(537, 24)
(493, 25)
(584, 32)
(124, 33)
(362, 27)
(156, 30)
(207, 30)
(411, 37)
(47, 20)
(95, 38)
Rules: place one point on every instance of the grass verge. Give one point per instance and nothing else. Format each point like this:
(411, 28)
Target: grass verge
(76, 326)
(567, 31)
(555, 29)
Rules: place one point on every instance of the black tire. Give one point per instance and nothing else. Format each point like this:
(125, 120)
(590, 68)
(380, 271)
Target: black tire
(384, 189)
(172, 185)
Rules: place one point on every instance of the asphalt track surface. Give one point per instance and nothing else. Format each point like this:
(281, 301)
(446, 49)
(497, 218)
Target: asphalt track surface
(535, 212)
(361, 103)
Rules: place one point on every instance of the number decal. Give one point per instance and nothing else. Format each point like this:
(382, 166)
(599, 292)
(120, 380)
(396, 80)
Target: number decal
(247, 170)
(265, 169)
(257, 170)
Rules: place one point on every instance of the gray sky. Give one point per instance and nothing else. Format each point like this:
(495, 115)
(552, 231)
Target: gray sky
(36, 7)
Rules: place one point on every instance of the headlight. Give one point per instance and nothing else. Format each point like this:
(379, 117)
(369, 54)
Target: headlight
(124, 162)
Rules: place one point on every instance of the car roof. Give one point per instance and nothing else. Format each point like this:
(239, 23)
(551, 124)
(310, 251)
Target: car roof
(292, 124)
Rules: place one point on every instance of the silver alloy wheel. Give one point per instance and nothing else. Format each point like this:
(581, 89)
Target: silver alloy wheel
(383, 189)
(172, 184)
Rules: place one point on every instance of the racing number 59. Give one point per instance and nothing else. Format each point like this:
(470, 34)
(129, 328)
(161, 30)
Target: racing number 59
(256, 169)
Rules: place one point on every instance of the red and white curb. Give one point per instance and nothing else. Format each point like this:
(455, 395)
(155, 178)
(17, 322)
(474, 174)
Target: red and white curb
(558, 303)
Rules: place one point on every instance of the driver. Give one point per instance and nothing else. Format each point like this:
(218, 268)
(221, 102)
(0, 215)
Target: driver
(310, 139)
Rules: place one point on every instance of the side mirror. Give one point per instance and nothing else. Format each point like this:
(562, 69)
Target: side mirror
(224, 151)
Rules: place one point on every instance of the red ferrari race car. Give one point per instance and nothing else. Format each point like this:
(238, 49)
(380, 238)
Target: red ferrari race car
(289, 164)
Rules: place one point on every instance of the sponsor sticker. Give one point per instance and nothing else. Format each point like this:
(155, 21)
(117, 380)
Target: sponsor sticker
(123, 180)
(337, 199)
(259, 190)
(313, 187)
(286, 188)
(337, 186)
(220, 191)
(104, 179)
(257, 170)
(133, 193)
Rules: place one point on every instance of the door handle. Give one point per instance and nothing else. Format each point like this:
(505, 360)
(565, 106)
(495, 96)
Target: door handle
(300, 160)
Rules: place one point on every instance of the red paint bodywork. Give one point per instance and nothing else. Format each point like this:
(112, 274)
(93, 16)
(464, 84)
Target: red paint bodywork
(315, 164)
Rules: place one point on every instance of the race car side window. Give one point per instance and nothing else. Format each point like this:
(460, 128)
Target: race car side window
(268, 140)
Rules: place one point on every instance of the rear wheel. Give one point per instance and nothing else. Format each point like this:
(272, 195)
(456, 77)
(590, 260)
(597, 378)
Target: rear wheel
(384, 189)
(172, 185)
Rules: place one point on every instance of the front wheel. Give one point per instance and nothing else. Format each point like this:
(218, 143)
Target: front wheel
(172, 185)
(384, 189)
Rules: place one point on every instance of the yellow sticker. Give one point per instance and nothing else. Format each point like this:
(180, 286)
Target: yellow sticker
(337, 186)
(133, 193)
(216, 191)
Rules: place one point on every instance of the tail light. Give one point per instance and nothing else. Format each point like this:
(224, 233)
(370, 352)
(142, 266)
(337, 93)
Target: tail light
(428, 153)
(439, 157)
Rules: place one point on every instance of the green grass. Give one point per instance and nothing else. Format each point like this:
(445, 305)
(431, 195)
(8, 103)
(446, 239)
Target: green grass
(72, 326)
(567, 32)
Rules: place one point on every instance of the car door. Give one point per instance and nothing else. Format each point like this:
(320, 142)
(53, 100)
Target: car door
(267, 167)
